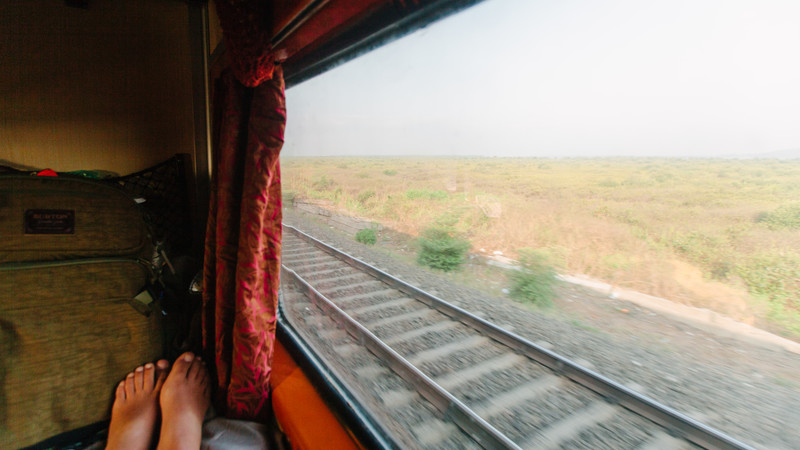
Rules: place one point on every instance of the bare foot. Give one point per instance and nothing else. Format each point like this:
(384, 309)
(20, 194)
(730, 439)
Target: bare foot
(184, 401)
(133, 416)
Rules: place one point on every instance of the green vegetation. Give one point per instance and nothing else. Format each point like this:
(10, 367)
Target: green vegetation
(323, 183)
(416, 194)
(367, 236)
(441, 248)
(364, 196)
(535, 282)
(785, 217)
(774, 277)
(723, 234)
(288, 197)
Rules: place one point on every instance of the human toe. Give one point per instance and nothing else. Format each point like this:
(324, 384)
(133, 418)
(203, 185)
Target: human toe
(162, 365)
(161, 372)
(120, 392)
(149, 377)
(183, 364)
(197, 370)
(130, 383)
(138, 379)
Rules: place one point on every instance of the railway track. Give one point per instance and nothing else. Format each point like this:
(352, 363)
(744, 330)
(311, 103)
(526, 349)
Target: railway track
(498, 388)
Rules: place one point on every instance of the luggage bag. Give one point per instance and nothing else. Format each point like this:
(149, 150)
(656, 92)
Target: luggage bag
(73, 256)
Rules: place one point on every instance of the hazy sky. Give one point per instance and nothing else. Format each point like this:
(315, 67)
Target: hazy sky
(567, 78)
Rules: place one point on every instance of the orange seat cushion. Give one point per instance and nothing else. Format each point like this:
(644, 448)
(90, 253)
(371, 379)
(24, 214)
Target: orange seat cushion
(300, 411)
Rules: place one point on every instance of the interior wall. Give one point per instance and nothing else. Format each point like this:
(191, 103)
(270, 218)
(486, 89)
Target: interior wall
(108, 87)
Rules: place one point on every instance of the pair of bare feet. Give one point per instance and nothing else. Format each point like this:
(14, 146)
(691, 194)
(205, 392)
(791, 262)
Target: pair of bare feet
(182, 398)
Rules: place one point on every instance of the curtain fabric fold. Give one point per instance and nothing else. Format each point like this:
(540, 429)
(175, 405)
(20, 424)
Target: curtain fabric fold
(243, 241)
(246, 25)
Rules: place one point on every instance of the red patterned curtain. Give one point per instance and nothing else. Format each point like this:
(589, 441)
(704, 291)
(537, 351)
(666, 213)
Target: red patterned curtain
(243, 237)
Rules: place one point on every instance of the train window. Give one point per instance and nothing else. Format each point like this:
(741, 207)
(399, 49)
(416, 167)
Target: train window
(557, 224)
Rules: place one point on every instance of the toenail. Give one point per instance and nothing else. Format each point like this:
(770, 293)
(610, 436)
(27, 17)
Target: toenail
(139, 369)
(188, 357)
(148, 366)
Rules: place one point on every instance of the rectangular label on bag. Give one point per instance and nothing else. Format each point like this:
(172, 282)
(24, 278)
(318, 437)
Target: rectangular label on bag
(49, 221)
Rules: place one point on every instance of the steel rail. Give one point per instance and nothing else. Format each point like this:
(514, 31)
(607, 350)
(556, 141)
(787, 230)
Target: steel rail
(677, 424)
(450, 407)
(357, 419)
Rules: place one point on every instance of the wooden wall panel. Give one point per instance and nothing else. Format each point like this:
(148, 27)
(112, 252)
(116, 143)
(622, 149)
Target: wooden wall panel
(108, 87)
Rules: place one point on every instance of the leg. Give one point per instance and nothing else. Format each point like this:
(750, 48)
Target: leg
(184, 401)
(135, 410)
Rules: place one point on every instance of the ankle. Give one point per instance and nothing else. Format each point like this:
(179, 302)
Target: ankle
(180, 432)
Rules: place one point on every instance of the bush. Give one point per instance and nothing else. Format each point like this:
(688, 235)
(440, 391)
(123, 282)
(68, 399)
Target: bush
(323, 183)
(390, 172)
(416, 194)
(440, 248)
(364, 196)
(785, 217)
(608, 183)
(535, 282)
(773, 275)
(367, 236)
(289, 197)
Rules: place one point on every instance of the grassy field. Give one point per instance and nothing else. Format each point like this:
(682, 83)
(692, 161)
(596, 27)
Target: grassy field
(720, 234)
